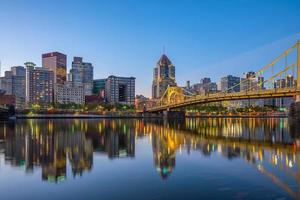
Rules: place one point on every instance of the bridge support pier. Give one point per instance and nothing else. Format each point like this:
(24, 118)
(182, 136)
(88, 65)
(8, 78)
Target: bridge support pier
(174, 114)
(295, 107)
(295, 110)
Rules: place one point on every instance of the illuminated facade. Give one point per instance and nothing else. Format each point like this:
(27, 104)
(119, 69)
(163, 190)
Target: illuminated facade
(163, 76)
(39, 85)
(68, 93)
(56, 62)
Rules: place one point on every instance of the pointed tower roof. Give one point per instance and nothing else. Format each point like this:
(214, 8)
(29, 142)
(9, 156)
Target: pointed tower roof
(164, 60)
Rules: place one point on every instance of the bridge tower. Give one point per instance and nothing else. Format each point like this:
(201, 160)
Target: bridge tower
(295, 107)
(298, 70)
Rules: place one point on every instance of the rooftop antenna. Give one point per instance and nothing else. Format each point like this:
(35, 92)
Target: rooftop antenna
(164, 49)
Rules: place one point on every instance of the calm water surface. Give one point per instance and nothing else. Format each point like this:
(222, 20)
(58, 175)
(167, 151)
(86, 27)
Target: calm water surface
(138, 159)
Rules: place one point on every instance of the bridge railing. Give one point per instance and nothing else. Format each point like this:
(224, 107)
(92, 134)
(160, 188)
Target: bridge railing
(267, 93)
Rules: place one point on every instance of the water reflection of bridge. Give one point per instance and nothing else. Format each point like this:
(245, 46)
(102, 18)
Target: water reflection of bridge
(266, 144)
(260, 142)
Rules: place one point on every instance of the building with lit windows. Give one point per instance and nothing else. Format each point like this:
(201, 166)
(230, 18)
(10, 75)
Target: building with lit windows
(120, 90)
(56, 62)
(39, 85)
(163, 76)
(68, 93)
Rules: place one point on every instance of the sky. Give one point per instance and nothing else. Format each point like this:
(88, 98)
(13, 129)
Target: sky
(202, 38)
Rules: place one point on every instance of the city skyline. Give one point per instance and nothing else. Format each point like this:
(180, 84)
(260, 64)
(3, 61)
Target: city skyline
(198, 44)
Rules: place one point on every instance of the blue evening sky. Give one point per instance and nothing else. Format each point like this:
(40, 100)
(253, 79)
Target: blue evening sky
(203, 38)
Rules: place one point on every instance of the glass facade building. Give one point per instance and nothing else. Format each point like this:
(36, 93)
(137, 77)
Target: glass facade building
(82, 73)
(99, 87)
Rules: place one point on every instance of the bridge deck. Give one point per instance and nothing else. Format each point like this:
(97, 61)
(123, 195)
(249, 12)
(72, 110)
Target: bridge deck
(201, 99)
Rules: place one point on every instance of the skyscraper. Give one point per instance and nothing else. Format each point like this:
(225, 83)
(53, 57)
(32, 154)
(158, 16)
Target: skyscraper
(163, 76)
(56, 62)
(39, 85)
(82, 74)
(120, 90)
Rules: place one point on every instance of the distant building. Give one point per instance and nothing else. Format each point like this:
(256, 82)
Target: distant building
(39, 85)
(6, 82)
(163, 76)
(280, 83)
(205, 86)
(252, 82)
(82, 73)
(290, 81)
(13, 83)
(56, 62)
(228, 82)
(142, 102)
(188, 84)
(120, 90)
(205, 81)
(68, 93)
(99, 87)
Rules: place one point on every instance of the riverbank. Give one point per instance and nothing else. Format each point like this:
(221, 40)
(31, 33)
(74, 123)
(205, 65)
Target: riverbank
(142, 116)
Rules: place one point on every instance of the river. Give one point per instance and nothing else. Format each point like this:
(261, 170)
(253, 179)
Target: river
(216, 158)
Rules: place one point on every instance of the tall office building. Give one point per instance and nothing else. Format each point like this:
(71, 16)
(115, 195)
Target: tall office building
(82, 74)
(228, 82)
(56, 62)
(13, 83)
(163, 76)
(120, 90)
(39, 85)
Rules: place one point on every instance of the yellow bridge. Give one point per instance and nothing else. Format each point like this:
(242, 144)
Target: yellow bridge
(202, 99)
(175, 98)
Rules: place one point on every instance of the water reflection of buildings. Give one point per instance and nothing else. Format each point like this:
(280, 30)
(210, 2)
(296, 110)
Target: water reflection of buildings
(164, 153)
(267, 144)
(32, 145)
(115, 138)
(50, 143)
